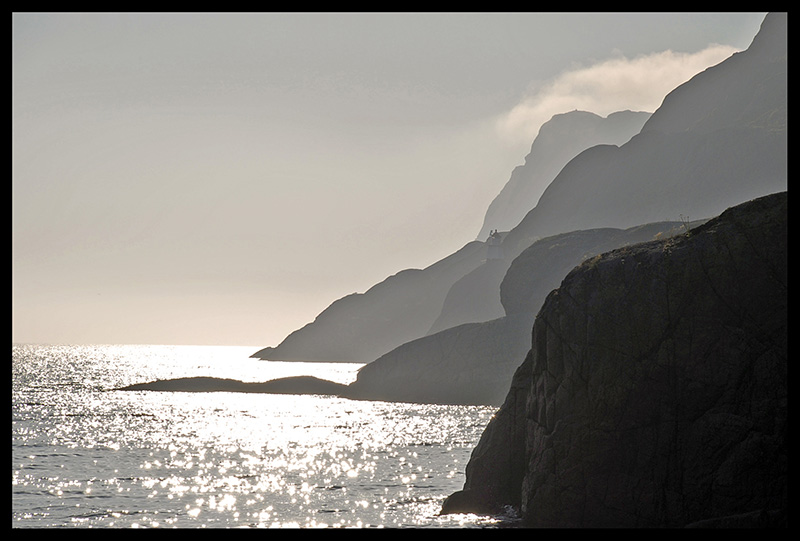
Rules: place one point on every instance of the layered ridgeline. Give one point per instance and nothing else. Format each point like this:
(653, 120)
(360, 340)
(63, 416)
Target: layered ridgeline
(362, 326)
(468, 364)
(655, 391)
(717, 140)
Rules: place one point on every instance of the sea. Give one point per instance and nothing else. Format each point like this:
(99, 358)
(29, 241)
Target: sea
(85, 455)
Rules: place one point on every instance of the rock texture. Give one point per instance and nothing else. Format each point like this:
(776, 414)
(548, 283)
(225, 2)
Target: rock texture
(655, 391)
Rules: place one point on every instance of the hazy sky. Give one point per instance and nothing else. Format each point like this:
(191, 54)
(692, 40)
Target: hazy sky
(221, 178)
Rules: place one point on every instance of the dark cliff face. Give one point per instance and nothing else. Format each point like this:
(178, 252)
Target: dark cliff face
(655, 392)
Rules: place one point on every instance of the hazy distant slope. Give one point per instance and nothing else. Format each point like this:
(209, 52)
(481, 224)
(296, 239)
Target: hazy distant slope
(362, 326)
(475, 297)
(559, 140)
(412, 303)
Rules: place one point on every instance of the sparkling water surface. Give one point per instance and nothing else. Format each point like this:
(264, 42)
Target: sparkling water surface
(86, 455)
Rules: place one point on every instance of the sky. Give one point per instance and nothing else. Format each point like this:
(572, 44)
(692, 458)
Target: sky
(221, 178)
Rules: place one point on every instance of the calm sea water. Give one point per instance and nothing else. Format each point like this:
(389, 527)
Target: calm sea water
(84, 455)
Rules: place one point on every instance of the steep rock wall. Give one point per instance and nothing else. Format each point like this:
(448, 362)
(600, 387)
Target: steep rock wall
(655, 392)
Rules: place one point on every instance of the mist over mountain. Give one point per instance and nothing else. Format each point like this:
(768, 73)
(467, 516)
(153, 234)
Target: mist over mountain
(717, 140)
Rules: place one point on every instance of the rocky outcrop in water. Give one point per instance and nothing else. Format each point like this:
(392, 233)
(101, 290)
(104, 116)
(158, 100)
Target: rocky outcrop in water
(655, 391)
(202, 384)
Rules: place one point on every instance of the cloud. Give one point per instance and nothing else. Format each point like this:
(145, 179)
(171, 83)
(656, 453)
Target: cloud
(619, 83)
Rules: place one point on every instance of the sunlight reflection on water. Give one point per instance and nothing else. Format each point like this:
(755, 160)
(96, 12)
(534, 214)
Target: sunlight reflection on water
(85, 456)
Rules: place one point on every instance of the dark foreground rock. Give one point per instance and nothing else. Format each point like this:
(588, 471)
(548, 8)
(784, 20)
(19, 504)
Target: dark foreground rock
(655, 391)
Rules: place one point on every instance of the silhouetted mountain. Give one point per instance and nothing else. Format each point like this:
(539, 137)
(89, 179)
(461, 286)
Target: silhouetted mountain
(655, 391)
(469, 300)
(717, 140)
(559, 140)
(443, 368)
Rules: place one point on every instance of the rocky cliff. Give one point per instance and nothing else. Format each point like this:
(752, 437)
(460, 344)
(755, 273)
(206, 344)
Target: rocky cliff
(655, 390)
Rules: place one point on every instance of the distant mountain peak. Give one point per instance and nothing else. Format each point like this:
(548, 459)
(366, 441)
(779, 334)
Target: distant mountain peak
(559, 140)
